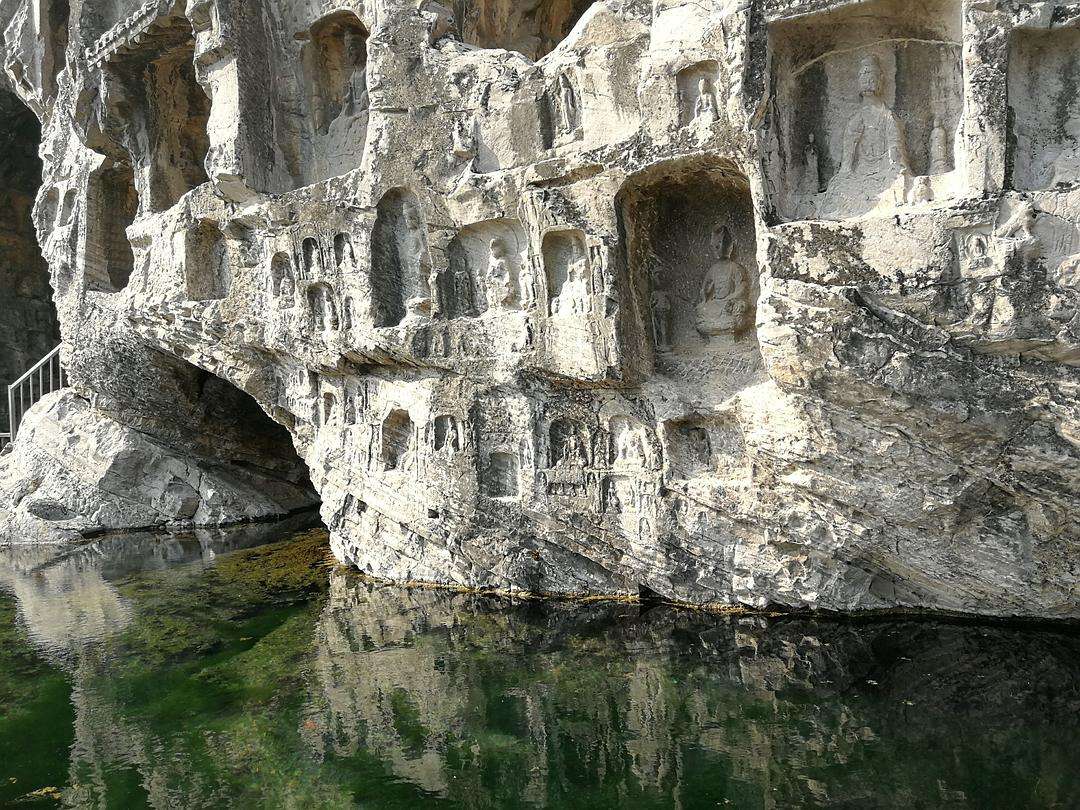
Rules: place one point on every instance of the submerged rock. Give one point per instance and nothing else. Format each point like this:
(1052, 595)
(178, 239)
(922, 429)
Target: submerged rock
(765, 304)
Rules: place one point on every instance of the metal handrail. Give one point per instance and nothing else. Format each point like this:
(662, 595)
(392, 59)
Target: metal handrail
(22, 390)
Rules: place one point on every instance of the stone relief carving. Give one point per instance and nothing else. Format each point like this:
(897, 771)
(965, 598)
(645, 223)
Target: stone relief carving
(874, 155)
(336, 74)
(402, 274)
(567, 270)
(398, 441)
(866, 116)
(1045, 109)
(500, 477)
(699, 107)
(561, 113)
(323, 307)
(487, 269)
(723, 305)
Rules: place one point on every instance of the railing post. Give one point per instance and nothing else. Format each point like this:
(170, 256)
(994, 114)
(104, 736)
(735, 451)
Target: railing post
(11, 412)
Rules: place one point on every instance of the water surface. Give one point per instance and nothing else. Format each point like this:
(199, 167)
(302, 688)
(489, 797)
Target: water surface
(242, 669)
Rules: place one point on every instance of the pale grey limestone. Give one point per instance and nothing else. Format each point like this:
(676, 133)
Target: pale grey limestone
(741, 302)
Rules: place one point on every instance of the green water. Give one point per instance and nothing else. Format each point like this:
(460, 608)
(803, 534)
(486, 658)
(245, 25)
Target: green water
(219, 671)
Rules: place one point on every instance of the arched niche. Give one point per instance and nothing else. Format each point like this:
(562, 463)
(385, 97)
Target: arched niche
(448, 433)
(311, 258)
(335, 77)
(533, 28)
(398, 445)
(400, 264)
(111, 206)
(567, 273)
(488, 270)
(691, 291)
(865, 99)
(697, 89)
(322, 307)
(207, 272)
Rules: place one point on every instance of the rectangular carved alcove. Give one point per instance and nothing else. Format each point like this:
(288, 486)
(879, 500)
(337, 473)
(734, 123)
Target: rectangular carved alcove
(1044, 108)
(864, 100)
(691, 252)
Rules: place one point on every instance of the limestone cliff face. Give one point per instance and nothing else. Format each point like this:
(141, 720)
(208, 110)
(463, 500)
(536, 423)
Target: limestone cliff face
(768, 302)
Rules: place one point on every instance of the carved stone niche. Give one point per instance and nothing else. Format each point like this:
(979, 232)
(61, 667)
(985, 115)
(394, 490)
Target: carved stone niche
(398, 441)
(532, 28)
(691, 252)
(632, 446)
(335, 79)
(568, 444)
(697, 87)
(560, 112)
(158, 112)
(206, 263)
(488, 270)
(711, 445)
(282, 282)
(401, 269)
(322, 307)
(567, 274)
(112, 204)
(448, 434)
(1044, 108)
(865, 102)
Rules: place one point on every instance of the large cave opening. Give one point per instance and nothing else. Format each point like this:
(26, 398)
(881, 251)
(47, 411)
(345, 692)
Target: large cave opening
(29, 328)
(230, 435)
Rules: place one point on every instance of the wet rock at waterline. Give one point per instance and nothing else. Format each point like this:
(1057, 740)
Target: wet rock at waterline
(768, 303)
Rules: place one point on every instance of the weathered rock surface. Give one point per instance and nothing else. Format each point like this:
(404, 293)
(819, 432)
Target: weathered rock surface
(74, 471)
(767, 302)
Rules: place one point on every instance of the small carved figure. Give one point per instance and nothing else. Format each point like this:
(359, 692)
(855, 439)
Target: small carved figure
(573, 297)
(500, 278)
(572, 451)
(288, 289)
(705, 112)
(940, 161)
(660, 304)
(700, 447)
(612, 502)
(811, 178)
(873, 147)
(724, 302)
(415, 260)
(630, 448)
(568, 105)
(921, 190)
(527, 281)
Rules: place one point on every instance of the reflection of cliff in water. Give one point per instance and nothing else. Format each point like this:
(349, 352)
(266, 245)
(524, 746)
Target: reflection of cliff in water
(486, 704)
(65, 593)
(242, 683)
